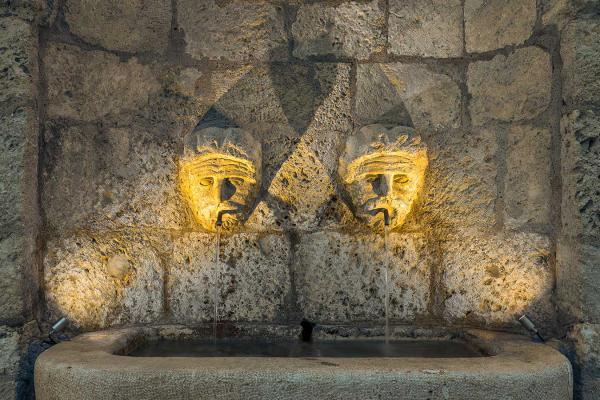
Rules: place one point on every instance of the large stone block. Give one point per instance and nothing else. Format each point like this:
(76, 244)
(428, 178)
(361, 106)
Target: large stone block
(352, 29)
(107, 279)
(527, 184)
(340, 277)
(585, 339)
(18, 58)
(313, 96)
(490, 25)
(491, 281)
(430, 28)
(580, 167)
(252, 279)
(109, 178)
(580, 52)
(577, 280)
(460, 188)
(510, 88)
(236, 30)
(121, 25)
(89, 85)
(407, 94)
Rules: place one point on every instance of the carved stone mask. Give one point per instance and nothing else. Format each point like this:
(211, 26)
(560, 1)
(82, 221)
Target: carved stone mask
(383, 167)
(220, 175)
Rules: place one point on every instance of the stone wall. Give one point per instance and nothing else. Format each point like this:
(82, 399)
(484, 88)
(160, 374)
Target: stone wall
(503, 93)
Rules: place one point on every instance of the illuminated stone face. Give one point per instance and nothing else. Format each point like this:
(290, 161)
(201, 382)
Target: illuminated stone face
(383, 168)
(219, 175)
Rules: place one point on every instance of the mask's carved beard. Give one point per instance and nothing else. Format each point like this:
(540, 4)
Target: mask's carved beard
(229, 222)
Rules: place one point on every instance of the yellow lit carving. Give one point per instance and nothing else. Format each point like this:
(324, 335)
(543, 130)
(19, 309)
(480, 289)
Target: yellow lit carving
(219, 176)
(383, 167)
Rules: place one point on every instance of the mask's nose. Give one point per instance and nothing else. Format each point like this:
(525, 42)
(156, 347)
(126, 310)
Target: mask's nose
(226, 189)
(381, 185)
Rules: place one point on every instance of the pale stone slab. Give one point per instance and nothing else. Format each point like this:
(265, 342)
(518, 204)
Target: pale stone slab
(89, 85)
(78, 284)
(18, 55)
(130, 26)
(350, 29)
(252, 278)
(510, 88)
(340, 277)
(237, 31)
(490, 25)
(10, 354)
(580, 169)
(426, 28)
(492, 281)
(460, 189)
(407, 94)
(527, 184)
(12, 294)
(580, 52)
(109, 178)
(577, 279)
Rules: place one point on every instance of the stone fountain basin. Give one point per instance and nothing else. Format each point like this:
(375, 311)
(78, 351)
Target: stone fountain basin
(98, 366)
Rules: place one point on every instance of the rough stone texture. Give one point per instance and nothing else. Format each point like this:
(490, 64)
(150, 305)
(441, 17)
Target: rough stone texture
(78, 284)
(238, 31)
(580, 53)
(494, 280)
(407, 94)
(12, 288)
(19, 45)
(9, 361)
(527, 184)
(430, 28)
(109, 178)
(580, 155)
(577, 277)
(586, 343)
(510, 88)
(252, 275)
(349, 29)
(88, 85)
(131, 26)
(41, 12)
(490, 25)
(340, 277)
(460, 188)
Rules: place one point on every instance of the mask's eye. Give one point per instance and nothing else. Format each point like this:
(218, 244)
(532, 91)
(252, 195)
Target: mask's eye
(237, 182)
(371, 178)
(400, 179)
(207, 181)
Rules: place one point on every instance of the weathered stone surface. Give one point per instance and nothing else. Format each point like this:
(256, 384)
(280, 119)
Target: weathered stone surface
(122, 25)
(238, 31)
(460, 188)
(340, 277)
(12, 296)
(577, 277)
(580, 165)
(109, 178)
(88, 85)
(490, 25)
(350, 29)
(252, 276)
(407, 94)
(586, 368)
(9, 361)
(18, 59)
(41, 12)
(315, 96)
(430, 28)
(510, 88)
(493, 280)
(580, 52)
(78, 284)
(527, 184)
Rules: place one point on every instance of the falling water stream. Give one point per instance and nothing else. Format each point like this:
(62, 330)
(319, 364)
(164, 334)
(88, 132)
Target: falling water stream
(386, 288)
(216, 284)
